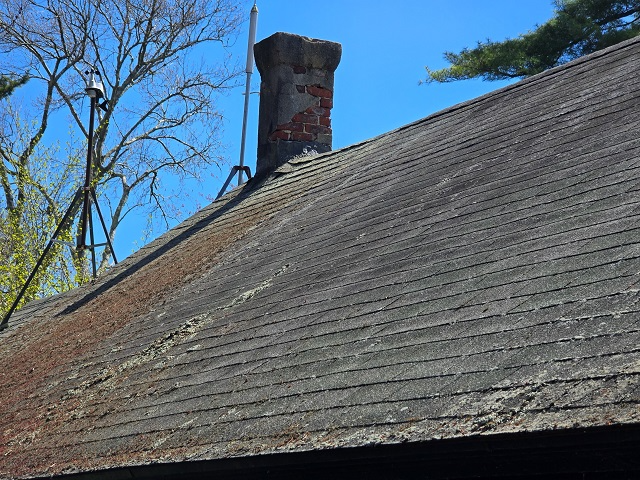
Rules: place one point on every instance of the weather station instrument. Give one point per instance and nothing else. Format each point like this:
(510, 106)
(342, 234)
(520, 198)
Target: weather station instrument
(82, 201)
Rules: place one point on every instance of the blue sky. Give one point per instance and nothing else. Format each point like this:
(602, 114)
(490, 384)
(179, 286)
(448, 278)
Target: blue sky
(385, 48)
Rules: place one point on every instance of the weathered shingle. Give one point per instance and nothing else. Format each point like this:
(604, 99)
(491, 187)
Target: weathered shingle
(474, 272)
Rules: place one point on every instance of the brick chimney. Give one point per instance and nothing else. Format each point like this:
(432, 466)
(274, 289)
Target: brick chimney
(296, 97)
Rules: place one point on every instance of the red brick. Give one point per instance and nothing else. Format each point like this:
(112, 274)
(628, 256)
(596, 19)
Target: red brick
(279, 135)
(301, 137)
(326, 102)
(319, 91)
(326, 121)
(316, 129)
(305, 118)
(291, 127)
(299, 69)
(300, 88)
(320, 111)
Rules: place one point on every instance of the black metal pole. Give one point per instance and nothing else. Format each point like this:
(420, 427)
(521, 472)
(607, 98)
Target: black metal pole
(82, 239)
(93, 241)
(61, 225)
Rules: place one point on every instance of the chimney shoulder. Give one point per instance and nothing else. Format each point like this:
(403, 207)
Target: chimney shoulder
(296, 97)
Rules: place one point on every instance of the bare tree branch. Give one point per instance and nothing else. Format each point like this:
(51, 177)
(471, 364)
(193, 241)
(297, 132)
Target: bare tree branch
(155, 59)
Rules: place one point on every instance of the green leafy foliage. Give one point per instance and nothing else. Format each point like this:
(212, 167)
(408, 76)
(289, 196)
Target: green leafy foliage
(8, 84)
(578, 27)
(35, 190)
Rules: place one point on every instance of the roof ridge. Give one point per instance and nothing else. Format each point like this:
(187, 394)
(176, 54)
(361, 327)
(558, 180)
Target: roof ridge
(499, 91)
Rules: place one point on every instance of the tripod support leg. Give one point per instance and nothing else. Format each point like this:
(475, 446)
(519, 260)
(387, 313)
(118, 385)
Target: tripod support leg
(104, 227)
(227, 182)
(67, 215)
(237, 169)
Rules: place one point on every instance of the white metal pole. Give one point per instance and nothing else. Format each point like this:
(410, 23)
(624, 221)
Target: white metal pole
(253, 23)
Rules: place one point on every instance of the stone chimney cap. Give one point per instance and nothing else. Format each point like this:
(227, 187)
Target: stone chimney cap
(288, 49)
(296, 97)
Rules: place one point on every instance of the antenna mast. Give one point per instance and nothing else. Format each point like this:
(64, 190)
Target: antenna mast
(253, 24)
(241, 168)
